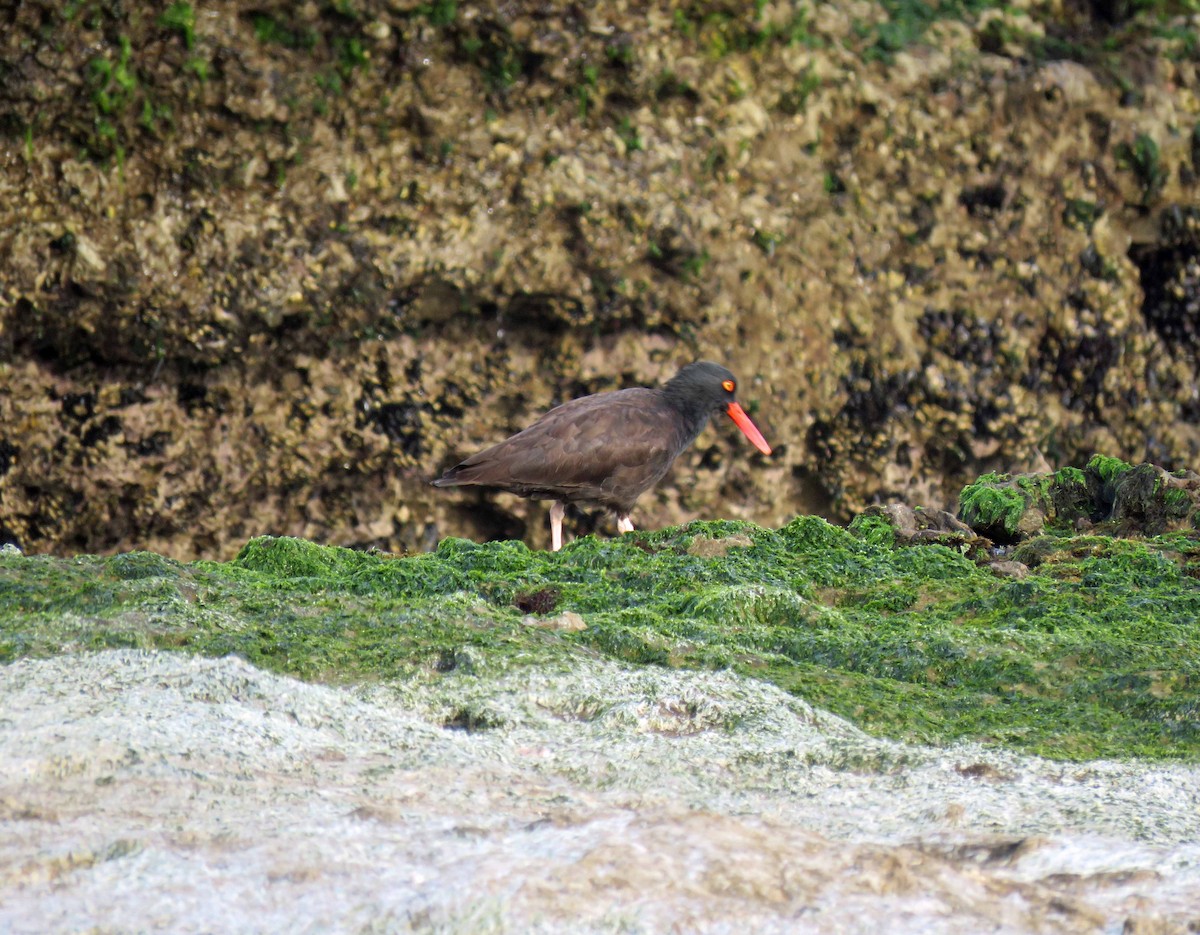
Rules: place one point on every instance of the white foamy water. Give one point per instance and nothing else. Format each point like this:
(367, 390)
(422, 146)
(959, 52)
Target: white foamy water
(155, 791)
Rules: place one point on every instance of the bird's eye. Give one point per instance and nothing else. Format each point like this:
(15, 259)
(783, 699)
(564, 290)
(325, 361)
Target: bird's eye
(727, 386)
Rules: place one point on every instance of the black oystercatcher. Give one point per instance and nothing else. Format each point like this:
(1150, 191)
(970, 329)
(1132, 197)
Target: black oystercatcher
(609, 448)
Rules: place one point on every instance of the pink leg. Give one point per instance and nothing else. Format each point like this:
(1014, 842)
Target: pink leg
(624, 524)
(557, 511)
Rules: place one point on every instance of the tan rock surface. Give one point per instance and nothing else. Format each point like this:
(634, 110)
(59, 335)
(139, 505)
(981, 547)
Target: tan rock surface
(274, 281)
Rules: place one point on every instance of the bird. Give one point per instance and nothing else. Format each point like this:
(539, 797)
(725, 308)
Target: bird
(609, 448)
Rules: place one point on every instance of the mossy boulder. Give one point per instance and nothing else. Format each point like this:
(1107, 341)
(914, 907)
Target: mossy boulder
(921, 526)
(1108, 494)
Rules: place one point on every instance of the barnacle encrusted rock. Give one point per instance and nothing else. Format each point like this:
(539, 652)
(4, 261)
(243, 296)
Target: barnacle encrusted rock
(269, 268)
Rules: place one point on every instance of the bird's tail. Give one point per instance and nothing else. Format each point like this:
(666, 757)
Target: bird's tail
(451, 478)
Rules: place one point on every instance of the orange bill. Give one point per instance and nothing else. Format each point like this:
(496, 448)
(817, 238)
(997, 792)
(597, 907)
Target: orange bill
(749, 429)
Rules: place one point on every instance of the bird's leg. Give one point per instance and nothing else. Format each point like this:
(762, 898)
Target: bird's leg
(624, 524)
(557, 511)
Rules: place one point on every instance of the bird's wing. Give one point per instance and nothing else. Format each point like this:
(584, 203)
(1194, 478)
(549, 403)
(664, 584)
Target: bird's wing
(585, 445)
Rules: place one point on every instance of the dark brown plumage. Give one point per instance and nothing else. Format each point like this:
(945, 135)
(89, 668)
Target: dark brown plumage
(609, 448)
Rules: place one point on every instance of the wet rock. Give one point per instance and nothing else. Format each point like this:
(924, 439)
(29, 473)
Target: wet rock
(1009, 569)
(568, 622)
(919, 526)
(706, 547)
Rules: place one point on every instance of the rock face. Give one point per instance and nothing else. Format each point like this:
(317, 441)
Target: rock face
(269, 268)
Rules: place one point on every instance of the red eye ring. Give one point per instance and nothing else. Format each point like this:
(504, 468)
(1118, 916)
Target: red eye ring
(727, 385)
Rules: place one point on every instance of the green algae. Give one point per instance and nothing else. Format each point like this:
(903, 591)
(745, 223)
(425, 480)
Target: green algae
(985, 505)
(1106, 468)
(1094, 653)
(1107, 493)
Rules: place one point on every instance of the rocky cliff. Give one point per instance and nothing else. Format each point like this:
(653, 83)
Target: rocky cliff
(267, 268)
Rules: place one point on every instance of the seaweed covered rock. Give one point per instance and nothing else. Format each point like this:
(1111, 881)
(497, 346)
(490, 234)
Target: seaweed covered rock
(917, 643)
(917, 526)
(1149, 500)
(1109, 494)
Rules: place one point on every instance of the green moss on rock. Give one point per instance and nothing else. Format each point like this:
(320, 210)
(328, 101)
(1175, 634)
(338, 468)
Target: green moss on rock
(1121, 498)
(1106, 468)
(1094, 653)
(991, 504)
(1006, 507)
